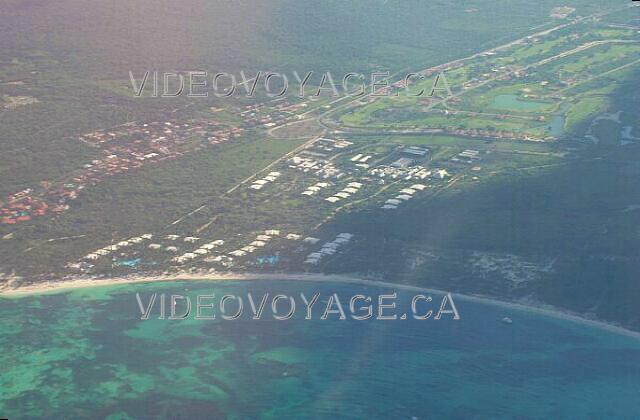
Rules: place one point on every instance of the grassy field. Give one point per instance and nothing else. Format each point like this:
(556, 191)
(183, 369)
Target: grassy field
(536, 83)
(582, 109)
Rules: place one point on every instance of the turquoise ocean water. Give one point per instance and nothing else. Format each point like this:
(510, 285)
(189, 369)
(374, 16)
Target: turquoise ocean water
(87, 354)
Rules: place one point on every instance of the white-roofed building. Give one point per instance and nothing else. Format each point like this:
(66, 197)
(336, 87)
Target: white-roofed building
(442, 173)
(331, 245)
(408, 191)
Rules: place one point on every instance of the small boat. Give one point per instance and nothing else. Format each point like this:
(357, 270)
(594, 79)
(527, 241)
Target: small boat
(507, 320)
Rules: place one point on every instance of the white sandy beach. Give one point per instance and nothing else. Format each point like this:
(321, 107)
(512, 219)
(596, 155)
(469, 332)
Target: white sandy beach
(79, 283)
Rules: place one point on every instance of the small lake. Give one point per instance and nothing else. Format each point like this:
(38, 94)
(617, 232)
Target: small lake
(556, 125)
(513, 102)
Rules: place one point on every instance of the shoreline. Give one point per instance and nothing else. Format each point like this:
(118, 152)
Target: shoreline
(83, 283)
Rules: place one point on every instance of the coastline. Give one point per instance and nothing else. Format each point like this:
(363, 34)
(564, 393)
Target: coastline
(82, 283)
